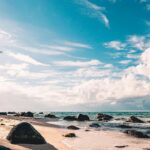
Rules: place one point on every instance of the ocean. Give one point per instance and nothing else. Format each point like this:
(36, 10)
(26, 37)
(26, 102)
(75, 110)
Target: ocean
(118, 119)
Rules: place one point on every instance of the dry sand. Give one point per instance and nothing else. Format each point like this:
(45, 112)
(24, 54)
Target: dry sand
(91, 140)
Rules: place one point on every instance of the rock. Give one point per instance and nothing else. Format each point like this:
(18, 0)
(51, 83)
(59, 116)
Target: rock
(4, 148)
(70, 135)
(41, 113)
(103, 117)
(134, 119)
(146, 148)
(137, 134)
(3, 113)
(70, 118)
(82, 117)
(27, 114)
(50, 116)
(124, 126)
(73, 128)
(94, 125)
(25, 133)
(87, 130)
(121, 146)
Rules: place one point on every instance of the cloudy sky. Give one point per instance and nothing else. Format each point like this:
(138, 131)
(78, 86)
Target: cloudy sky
(74, 55)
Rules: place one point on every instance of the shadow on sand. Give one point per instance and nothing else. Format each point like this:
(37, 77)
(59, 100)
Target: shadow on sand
(46, 146)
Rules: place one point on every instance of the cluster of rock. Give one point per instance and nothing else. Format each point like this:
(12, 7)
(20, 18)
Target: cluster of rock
(104, 117)
(80, 117)
(50, 116)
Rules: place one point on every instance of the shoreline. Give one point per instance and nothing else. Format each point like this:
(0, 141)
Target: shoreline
(53, 134)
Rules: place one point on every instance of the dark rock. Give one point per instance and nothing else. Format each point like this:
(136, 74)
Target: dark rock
(94, 125)
(50, 116)
(103, 117)
(124, 126)
(3, 113)
(82, 117)
(87, 130)
(25, 133)
(27, 114)
(121, 146)
(146, 148)
(41, 113)
(137, 134)
(134, 119)
(73, 128)
(70, 118)
(70, 135)
(4, 148)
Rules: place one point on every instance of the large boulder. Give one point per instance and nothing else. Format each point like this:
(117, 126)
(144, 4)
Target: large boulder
(25, 133)
(50, 116)
(82, 117)
(27, 114)
(103, 117)
(70, 118)
(134, 119)
(136, 134)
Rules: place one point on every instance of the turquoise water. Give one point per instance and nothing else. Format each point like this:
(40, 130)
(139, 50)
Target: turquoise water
(115, 114)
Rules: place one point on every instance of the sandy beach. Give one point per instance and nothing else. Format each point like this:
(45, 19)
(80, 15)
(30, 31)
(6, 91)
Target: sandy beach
(85, 140)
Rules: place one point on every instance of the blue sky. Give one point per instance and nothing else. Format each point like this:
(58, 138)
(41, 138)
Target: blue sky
(75, 55)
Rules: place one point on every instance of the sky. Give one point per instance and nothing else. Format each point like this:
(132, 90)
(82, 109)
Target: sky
(75, 55)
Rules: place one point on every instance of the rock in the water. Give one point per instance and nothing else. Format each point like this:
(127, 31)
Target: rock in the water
(73, 127)
(50, 116)
(103, 117)
(70, 118)
(71, 135)
(82, 117)
(137, 134)
(134, 119)
(25, 133)
(4, 148)
(3, 113)
(27, 114)
(124, 126)
(94, 125)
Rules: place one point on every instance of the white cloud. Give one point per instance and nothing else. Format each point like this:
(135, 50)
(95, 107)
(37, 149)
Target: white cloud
(125, 62)
(77, 63)
(76, 45)
(137, 41)
(115, 45)
(95, 11)
(24, 58)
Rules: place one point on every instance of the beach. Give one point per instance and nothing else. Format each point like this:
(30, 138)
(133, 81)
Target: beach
(87, 139)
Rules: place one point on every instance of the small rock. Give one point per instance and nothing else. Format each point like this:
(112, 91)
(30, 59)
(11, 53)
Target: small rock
(121, 146)
(70, 135)
(73, 127)
(134, 119)
(70, 118)
(124, 126)
(137, 134)
(94, 125)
